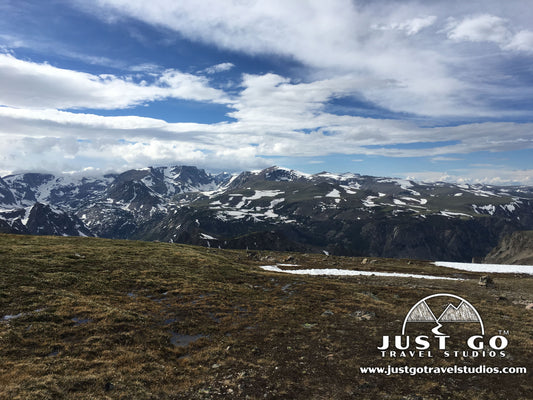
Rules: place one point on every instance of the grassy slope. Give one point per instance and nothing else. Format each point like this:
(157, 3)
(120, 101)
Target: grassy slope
(100, 319)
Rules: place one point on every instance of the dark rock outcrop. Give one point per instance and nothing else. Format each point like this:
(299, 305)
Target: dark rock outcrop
(516, 248)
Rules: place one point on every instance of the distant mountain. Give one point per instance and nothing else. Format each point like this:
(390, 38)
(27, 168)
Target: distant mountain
(42, 219)
(276, 208)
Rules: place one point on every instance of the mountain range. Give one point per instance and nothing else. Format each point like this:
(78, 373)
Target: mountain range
(274, 209)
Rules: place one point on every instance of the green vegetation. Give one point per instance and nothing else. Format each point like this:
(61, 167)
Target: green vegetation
(84, 318)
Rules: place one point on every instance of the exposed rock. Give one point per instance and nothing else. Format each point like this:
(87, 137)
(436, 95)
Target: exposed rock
(43, 220)
(516, 248)
(361, 315)
(371, 295)
(486, 281)
(289, 259)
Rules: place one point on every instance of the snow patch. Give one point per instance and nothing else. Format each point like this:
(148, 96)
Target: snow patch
(241, 203)
(403, 183)
(293, 174)
(369, 201)
(488, 209)
(275, 202)
(336, 177)
(348, 272)
(270, 214)
(494, 268)
(334, 193)
(265, 193)
(450, 214)
(351, 188)
(509, 207)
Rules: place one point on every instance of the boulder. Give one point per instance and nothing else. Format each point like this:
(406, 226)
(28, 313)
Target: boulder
(486, 281)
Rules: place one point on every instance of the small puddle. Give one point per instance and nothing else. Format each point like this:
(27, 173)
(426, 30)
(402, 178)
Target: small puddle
(286, 287)
(81, 321)
(10, 317)
(181, 340)
(55, 351)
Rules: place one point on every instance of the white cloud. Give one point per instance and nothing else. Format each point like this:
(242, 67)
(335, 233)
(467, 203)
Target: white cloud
(406, 67)
(333, 38)
(29, 84)
(487, 176)
(410, 27)
(490, 28)
(443, 158)
(410, 62)
(274, 117)
(145, 68)
(522, 41)
(482, 28)
(219, 68)
(115, 141)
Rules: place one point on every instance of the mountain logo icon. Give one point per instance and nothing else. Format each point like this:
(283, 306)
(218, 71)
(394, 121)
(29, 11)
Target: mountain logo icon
(464, 312)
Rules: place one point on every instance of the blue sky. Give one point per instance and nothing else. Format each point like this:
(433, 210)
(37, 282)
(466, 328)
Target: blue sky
(439, 90)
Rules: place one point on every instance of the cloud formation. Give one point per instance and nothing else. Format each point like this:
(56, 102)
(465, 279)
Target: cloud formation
(410, 27)
(219, 68)
(416, 65)
(490, 28)
(34, 85)
(405, 48)
(273, 117)
(485, 176)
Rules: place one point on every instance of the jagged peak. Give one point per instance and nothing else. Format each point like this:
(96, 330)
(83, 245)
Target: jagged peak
(280, 174)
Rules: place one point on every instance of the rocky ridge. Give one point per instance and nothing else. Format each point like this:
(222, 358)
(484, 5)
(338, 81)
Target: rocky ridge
(275, 208)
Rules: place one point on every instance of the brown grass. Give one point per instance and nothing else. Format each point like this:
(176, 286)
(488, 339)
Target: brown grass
(106, 319)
